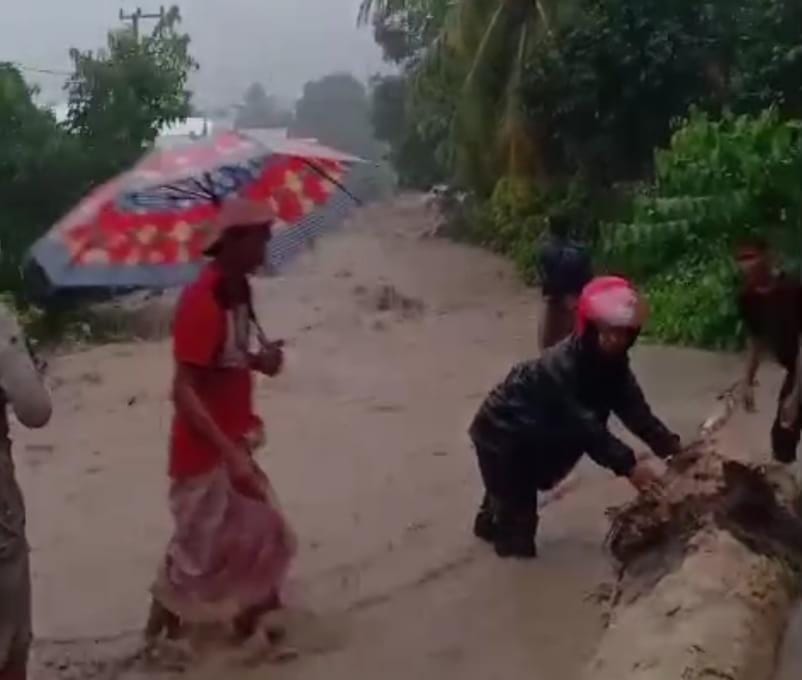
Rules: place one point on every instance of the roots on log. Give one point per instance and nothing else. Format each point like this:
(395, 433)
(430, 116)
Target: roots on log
(707, 579)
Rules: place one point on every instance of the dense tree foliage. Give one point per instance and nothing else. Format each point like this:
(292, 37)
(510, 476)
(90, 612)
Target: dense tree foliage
(473, 53)
(404, 29)
(548, 89)
(415, 120)
(336, 110)
(40, 169)
(260, 110)
(718, 180)
(121, 96)
(535, 107)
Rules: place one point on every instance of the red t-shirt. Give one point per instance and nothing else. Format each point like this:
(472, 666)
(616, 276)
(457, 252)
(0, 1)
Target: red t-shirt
(209, 335)
(775, 317)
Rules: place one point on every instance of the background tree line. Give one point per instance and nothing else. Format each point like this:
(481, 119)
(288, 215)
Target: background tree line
(664, 130)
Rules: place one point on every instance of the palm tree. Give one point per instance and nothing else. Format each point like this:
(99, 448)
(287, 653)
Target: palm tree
(496, 38)
(493, 40)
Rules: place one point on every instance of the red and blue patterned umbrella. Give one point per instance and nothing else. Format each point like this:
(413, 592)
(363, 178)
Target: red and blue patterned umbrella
(148, 227)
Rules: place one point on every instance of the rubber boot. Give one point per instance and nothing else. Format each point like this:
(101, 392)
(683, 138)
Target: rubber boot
(515, 534)
(484, 526)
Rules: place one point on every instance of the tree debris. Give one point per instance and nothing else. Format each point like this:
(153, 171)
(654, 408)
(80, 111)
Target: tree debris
(707, 574)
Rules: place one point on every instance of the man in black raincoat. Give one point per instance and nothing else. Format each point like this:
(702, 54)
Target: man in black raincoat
(564, 268)
(535, 426)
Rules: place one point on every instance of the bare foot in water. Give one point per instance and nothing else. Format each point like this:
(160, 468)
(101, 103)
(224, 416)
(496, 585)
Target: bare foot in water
(265, 647)
(165, 655)
(250, 621)
(161, 621)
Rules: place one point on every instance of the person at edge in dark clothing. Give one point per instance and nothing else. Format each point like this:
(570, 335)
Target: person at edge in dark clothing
(534, 427)
(565, 269)
(770, 303)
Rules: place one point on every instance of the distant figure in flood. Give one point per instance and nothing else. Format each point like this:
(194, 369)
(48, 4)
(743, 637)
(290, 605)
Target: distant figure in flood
(232, 546)
(565, 269)
(770, 302)
(534, 427)
(21, 389)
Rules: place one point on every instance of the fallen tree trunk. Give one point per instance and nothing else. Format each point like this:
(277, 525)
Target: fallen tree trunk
(706, 580)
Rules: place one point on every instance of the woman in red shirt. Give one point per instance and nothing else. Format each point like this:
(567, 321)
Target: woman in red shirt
(232, 546)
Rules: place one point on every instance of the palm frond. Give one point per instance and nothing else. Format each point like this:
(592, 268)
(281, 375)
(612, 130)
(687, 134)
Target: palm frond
(545, 15)
(489, 37)
(491, 41)
(365, 12)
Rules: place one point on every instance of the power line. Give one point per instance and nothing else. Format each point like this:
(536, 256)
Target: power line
(137, 16)
(36, 69)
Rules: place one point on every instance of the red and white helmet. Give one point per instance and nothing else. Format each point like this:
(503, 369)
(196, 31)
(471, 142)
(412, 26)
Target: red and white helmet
(611, 300)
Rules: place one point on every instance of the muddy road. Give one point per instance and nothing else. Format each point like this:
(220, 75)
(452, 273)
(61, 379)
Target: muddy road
(394, 338)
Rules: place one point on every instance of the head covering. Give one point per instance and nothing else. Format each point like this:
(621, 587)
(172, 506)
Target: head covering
(234, 213)
(611, 300)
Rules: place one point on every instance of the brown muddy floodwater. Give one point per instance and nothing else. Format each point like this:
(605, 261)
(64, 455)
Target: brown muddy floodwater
(790, 661)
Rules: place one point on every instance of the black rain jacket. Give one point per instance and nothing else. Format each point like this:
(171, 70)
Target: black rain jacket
(564, 267)
(556, 408)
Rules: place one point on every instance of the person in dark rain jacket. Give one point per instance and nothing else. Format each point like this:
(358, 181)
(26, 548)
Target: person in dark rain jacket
(535, 426)
(565, 268)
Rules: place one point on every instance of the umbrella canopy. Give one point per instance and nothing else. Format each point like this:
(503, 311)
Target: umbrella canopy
(148, 226)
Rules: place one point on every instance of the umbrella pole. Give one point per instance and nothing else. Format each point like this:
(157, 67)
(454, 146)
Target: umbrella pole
(209, 189)
(334, 181)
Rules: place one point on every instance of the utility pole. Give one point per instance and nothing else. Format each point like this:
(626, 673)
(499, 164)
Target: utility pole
(137, 16)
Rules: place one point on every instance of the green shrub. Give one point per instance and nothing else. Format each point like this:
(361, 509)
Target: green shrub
(693, 304)
(512, 222)
(718, 180)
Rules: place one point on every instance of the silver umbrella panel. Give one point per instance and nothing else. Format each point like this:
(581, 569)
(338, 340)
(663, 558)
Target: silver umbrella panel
(287, 244)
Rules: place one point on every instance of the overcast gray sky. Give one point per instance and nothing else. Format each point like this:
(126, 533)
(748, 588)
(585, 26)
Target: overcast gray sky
(281, 43)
